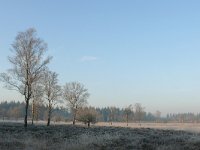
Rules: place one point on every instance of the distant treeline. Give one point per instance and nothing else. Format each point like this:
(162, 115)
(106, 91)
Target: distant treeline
(15, 111)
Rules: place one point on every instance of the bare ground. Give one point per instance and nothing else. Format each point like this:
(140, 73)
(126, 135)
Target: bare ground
(63, 137)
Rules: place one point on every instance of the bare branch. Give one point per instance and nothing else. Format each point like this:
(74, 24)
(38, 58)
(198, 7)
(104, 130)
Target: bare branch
(76, 96)
(27, 64)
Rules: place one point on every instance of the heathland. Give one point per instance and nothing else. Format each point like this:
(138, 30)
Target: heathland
(65, 136)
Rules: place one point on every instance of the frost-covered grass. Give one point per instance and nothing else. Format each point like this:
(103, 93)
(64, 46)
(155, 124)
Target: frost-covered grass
(62, 137)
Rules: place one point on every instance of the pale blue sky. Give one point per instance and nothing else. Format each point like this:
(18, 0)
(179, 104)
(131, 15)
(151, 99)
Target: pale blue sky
(123, 51)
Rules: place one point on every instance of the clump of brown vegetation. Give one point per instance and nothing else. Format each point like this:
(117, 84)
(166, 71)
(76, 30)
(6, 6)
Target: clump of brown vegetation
(87, 115)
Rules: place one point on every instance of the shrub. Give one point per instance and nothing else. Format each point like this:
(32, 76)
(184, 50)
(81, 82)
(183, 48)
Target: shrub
(87, 115)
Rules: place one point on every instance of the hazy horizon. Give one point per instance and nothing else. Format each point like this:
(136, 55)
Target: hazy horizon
(123, 52)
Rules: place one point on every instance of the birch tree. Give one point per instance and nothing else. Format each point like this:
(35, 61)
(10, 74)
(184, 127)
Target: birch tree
(76, 96)
(52, 91)
(28, 63)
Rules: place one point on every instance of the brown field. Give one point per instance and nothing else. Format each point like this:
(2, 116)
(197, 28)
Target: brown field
(190, 127)
(148, 136)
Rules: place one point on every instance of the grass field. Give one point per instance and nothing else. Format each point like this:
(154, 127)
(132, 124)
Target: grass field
(65, 136)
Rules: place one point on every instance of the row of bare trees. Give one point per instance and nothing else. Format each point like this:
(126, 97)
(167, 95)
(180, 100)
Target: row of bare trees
(138, 113)
(14, 110)
(28, 65)
(31, 77)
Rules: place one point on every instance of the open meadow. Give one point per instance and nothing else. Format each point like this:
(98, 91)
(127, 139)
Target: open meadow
(100, 136)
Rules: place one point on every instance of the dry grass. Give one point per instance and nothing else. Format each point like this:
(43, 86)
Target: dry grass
(190, 127)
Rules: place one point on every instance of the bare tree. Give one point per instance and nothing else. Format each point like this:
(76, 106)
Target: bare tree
(52, 91)
(28, 65)
(139, 112)
(76, 96)
(128, 111)
(112, 113)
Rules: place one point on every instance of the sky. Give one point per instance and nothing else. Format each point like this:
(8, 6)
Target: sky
(124, 52)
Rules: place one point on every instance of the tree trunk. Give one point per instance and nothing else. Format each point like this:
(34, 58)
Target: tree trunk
(26, 113)
(49, 115)
(74, 118)
(32, 120)
(127, 119)
(88, 124)
(33, 112)
(48, 121)
(49, 118)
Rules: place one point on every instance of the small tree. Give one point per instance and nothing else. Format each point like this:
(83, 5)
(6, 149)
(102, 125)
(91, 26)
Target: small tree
(112, 113)
(139, 112)
(76, 96)
(127, 112)
(52, 91)
(87, 115)
(28, 65)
